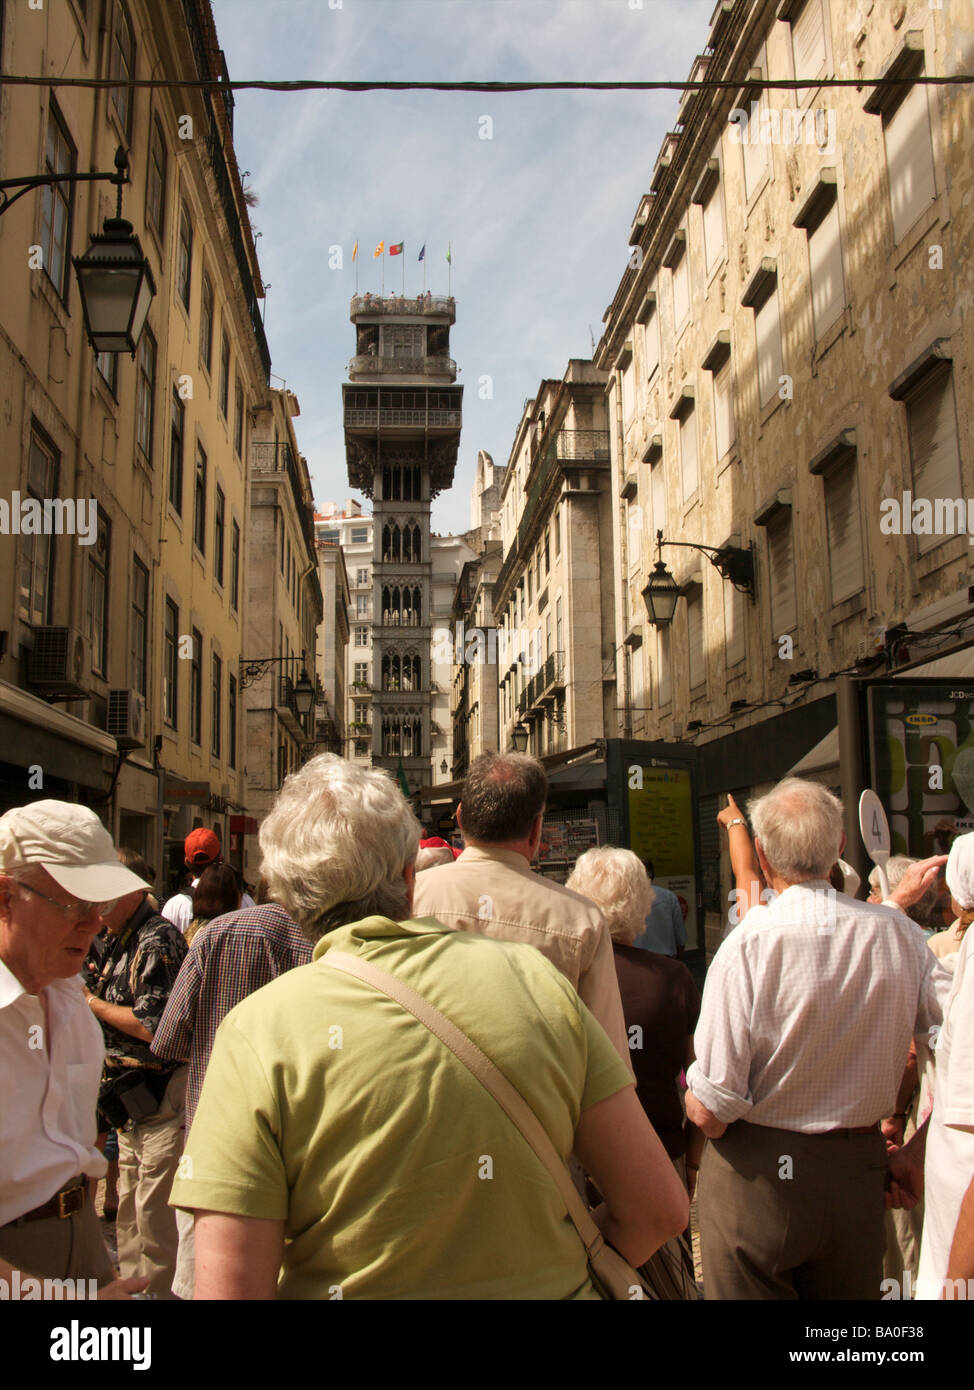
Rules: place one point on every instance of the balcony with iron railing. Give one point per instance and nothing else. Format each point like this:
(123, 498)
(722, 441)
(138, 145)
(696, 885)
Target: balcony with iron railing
(268, 458)
(567, 447)
(395, 417)
(367, 364)
(427, 305)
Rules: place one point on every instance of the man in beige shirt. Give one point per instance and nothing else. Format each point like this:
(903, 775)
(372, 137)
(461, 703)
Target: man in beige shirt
(491, 889)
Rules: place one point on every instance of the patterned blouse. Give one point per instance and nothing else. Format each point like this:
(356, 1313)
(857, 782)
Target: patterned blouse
(137, 969)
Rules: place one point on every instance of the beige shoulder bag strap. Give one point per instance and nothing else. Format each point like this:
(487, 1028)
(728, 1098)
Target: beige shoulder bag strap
(509, 1099)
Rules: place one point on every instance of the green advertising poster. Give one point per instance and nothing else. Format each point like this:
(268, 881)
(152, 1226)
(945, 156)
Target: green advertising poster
(922, 743)
(661, 829)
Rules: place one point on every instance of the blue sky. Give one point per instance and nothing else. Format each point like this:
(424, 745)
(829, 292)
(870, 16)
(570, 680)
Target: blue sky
(538, 216)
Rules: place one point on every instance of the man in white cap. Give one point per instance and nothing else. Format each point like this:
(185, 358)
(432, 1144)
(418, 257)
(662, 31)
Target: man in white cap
(939, 1160)
(58, 874)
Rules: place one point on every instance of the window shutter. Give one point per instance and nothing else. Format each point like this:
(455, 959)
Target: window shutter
(768, 331)
(681, 291)
(695, 637)
(781, 563)
(909, 158)
(825, 262)
(845, 541)
(713, 227)
(808, 40)
(724, 427)
(651, 334)
(932, 423)
(663, 683)
(688, 453)
(659, 498)
(733, 625)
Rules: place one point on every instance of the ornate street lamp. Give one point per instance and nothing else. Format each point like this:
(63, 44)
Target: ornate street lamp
(661, 593)
(520, 738)
(304, 695)
(115, 280)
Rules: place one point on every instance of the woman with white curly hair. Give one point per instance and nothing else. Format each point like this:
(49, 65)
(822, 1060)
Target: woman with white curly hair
(660, 1003)
(341, 1148)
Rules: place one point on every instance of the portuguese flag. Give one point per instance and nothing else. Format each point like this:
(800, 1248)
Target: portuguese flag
(397, 249)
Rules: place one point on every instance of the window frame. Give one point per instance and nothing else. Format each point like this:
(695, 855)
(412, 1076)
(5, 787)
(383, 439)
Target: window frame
(116, 59)
(177, 439)
(145, 392)
(51, 197)
(199, 499)
(184, 257)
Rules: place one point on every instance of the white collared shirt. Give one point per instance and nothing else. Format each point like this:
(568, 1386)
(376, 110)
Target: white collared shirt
(949, 1161)
(808, 1011)
(51, 1073)
(179, 908)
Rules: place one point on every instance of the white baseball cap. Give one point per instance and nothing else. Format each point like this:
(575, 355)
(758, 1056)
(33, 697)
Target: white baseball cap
(70, 842)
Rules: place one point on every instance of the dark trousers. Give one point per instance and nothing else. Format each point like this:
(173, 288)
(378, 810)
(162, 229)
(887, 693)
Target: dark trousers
(788, 1216)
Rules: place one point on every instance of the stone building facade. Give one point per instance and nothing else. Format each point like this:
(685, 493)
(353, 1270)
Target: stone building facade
(552, 598)
(119, 673)
(790, 352)
(348, 527)
(284, 602)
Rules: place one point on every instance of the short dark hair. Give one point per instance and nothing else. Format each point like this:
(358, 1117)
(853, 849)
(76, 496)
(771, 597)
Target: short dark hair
(134, 861)
(503, 795)
(216, 893)
(650, 867)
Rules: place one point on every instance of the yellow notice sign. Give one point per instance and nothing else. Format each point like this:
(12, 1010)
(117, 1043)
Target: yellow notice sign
(661, 819)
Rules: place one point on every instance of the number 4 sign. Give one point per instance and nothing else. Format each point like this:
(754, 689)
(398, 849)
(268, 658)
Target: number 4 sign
(874, 829)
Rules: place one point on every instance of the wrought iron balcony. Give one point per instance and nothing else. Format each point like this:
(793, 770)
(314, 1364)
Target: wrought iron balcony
(393, 418)
(443, 306)
(367, 364)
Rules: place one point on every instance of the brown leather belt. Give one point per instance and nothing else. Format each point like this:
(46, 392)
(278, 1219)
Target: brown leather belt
(66, 1202)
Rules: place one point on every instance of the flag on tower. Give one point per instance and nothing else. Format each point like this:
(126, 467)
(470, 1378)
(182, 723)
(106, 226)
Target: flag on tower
(422, 254)
(448, 249)
(397, 249)
(354, 251)
(378, 250)
(403, 784)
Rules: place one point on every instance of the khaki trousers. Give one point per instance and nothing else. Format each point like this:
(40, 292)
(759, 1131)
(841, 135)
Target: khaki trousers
(792, 1216)
(148, 1156)
(55, 1248)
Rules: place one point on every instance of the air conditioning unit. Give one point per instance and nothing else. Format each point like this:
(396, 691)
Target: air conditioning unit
(58, 663)
(126, 718)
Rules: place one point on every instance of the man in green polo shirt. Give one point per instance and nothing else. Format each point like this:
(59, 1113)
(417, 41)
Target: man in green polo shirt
(340, 1149)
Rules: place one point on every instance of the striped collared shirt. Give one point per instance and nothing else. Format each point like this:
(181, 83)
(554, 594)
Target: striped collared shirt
(808, 1011)
(229, 958)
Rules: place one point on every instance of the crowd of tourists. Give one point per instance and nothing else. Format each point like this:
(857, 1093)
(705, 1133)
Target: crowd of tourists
(407, 1072)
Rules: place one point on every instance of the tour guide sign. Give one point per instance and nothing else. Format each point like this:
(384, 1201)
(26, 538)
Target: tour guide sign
(661, 829)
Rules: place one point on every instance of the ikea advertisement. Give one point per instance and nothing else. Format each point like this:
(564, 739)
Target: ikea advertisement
(921, 739)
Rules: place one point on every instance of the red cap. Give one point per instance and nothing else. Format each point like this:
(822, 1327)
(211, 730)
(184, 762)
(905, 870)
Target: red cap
(433, 843)
(202, 847)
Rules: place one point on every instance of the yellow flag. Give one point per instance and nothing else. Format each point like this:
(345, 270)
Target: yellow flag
(354, 251)
(378, 250)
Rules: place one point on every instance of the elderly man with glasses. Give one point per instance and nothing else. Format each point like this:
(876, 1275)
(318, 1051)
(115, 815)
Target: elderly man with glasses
(58, 874)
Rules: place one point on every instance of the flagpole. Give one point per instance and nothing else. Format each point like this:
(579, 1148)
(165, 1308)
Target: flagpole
(356, 265)
(424, 273)
(449, 274)
(383, 272)
(403, 254)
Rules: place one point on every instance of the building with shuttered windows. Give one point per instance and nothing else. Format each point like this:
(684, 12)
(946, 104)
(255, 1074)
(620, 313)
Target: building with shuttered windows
(787, 349)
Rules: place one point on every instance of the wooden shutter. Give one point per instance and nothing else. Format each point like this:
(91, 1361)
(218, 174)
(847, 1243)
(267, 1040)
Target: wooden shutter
(688, 454)
(651, 338)
(781, 563)
(659, 498)
(664, 687)
(909, 159)
(808, 40)
(825, 262)
(681, 291)
(845, 541)
(768, 331)
(696, 663)
(724, 428)
(932, 423)
(713, 227)
(733, 625)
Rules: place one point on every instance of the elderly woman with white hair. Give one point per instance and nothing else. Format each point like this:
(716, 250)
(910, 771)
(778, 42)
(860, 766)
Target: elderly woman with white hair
(342, 1148)
(661, 1005)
